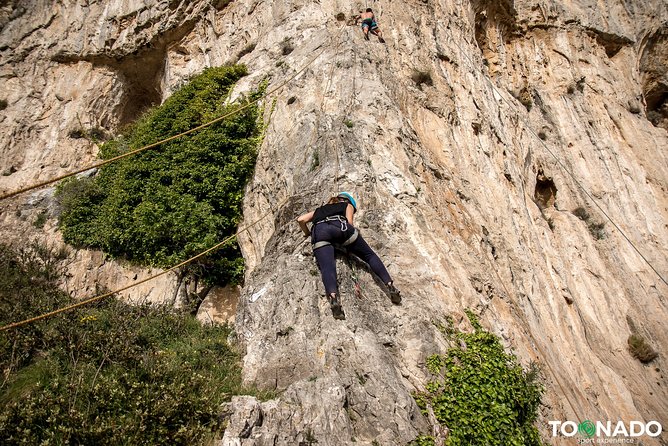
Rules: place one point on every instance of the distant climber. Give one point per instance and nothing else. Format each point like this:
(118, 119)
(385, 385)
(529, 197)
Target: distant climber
(369, 25)
(333, 224)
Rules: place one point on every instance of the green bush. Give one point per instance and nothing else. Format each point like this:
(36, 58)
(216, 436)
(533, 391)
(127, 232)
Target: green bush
(481, 393)
(166, 204)
(423, 440)
(105, 374)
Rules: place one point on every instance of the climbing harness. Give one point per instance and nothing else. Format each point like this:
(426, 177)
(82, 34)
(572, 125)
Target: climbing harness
(344, 228)
(141, 149)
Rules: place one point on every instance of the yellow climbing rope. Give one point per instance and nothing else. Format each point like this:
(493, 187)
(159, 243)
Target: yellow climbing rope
(171, 138)
(185, 262)
(162, 273)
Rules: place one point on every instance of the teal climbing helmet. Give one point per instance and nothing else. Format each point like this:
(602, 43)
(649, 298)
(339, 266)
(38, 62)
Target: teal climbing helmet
(348, 197)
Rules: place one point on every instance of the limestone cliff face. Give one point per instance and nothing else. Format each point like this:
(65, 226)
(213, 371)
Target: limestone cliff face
(480, 141)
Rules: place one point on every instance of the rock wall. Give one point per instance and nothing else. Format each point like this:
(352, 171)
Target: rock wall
(484, 142)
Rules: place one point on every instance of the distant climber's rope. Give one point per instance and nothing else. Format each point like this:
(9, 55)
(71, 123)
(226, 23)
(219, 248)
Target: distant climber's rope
(173, 268)
(171, 138)
(565, 168)
(535, 344)
(322, 107)
(489, 261)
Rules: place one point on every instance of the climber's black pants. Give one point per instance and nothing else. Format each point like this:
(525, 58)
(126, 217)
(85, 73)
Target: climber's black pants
(332, 232)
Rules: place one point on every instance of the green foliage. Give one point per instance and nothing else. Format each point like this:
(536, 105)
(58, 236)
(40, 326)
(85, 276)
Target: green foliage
(309, 438)
(105, 374)
(40, 221)
(481, 393)
(423, 440)
(315, 162)
(581, 213)
(25, 291)
(166, 204)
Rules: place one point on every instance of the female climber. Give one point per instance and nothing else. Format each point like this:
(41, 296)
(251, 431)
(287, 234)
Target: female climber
(333, 224)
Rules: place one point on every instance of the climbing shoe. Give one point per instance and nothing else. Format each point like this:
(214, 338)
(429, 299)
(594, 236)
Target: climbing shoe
(395, 295)
(381, 40)
(366, 36)
(335, 305)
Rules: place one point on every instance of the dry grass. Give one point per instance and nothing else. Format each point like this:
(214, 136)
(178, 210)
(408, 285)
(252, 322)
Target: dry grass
(640, 349)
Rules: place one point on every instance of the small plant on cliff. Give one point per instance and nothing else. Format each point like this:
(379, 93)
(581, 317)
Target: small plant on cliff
(166, 204)
(481, 393)
(423, 440)
(597, 230)
(41, 219)
(108, 373)
(525, 97)
(640, 349)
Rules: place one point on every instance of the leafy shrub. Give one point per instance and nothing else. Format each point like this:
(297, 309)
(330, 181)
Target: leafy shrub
(166, 204)
(481, 393)
(423, 440)
(105, 374)
(581, 213)
(96, 134)
(41, 219)
(26, 276)
(315, 162)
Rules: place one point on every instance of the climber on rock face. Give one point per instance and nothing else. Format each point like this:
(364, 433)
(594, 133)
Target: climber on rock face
(369, 24)
(333, 224)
